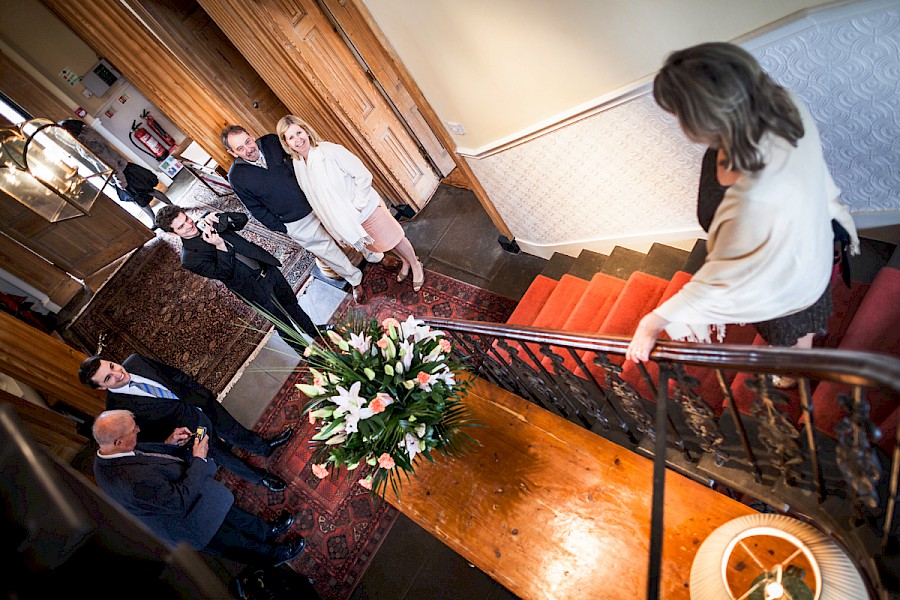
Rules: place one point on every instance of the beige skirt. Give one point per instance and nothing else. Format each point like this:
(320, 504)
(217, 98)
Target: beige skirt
(384, 230)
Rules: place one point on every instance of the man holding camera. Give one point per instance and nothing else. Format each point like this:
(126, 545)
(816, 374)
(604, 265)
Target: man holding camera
(171, 489)
(212, 248)
(169, 406)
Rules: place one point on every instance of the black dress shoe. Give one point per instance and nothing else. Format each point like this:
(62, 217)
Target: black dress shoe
(280, 526)
(278, 440)
(287, 552)
(359, 294)
(273, 483)
(390, 262)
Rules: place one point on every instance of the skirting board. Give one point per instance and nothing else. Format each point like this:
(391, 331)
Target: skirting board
(876, 223)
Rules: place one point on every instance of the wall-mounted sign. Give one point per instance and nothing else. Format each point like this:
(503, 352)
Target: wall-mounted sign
(70, 76)
(80, 112)
(110, 112)
(123, 98)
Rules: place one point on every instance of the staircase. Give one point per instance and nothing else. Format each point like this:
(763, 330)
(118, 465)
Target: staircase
(716, 410)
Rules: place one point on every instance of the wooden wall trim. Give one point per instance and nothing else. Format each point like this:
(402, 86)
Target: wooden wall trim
(22, 88)
(59, 286)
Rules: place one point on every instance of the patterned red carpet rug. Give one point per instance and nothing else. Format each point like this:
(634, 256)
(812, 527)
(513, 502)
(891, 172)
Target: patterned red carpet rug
(343, 523)
(154, 307)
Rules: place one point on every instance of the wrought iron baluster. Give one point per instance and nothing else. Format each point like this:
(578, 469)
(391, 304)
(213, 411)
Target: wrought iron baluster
(576, 386)
(776, 433)
(699, 417)
(557, 393)
(892, 493)
(739, 426)
(805, 402)
(659, 490)
(631, 401)
(856, 458)
(623, 425)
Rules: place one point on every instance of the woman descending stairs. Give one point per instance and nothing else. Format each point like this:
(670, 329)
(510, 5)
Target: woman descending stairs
(568, 297)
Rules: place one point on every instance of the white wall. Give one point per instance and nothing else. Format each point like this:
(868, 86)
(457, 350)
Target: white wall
(500, 66)
(627, 175)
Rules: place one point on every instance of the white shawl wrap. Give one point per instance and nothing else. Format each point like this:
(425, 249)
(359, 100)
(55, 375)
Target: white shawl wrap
(339, 189)
(770, 243)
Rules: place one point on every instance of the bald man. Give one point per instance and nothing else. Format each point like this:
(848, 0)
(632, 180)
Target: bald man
(170, 488)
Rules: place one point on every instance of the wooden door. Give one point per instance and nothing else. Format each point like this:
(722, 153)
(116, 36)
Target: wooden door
(356, 24)
(293, 47)
(80, 246)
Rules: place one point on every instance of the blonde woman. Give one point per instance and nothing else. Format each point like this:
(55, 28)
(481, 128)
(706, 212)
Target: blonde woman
(339, 189)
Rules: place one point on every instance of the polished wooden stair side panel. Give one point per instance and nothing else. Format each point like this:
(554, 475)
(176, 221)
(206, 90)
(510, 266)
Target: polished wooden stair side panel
(553, 511)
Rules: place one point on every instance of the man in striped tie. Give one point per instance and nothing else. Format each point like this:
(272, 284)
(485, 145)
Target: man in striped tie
(169, 406)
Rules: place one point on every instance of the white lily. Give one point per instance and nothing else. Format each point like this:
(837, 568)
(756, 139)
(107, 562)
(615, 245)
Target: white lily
(412, 444)
(349, 402)
(360, 342)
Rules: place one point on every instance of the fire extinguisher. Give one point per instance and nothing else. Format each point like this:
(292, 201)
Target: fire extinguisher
(153, 147)
(157, 129)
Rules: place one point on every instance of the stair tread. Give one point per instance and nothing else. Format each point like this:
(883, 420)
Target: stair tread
(560, 303)
(664, 261)
(587, 264)
(622, 262)
(532, 301)
(696, 258)
(558, 265)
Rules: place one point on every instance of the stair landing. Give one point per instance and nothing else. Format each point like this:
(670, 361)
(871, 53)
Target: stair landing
(551, 510)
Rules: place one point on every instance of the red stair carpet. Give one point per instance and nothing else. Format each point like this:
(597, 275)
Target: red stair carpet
(343, 524)
(866, 317)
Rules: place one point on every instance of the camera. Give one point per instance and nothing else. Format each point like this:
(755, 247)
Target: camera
(200, 433)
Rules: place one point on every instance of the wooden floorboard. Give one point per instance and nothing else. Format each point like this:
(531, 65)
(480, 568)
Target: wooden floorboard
(551, 510)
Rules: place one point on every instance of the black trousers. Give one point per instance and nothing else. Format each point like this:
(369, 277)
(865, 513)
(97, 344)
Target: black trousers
(224, 430)
(282, 303)
(242, 538)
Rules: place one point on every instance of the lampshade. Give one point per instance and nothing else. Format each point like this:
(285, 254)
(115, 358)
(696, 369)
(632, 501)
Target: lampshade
(45, 168)
(773, 557)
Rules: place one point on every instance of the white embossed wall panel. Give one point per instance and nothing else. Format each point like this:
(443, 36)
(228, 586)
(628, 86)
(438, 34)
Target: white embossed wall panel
(629, 171)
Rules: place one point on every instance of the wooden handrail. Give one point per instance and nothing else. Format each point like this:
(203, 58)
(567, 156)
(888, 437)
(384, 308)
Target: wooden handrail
(846, 366)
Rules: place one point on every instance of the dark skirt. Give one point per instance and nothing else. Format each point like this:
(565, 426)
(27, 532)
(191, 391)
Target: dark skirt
(785, 331)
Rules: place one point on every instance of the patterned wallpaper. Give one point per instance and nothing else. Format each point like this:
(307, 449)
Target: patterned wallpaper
(629, 171)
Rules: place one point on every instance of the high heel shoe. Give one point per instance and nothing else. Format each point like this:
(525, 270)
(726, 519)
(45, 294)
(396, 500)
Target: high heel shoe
(404, 272)
(417, 285)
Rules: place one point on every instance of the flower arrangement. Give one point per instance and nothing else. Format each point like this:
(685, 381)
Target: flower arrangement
(384, 394)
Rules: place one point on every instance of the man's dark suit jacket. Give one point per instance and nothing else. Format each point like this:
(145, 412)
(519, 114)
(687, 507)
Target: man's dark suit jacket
(272, 195)
(158, 417)
(179, 501)
(204, 259)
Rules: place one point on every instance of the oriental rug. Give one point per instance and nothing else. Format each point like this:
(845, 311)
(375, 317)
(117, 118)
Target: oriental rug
(154, 307)
(343, 523)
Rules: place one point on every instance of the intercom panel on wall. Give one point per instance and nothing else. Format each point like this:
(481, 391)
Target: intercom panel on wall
(100, 78)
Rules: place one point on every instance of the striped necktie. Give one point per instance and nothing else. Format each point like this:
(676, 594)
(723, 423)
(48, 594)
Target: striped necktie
(155, 390)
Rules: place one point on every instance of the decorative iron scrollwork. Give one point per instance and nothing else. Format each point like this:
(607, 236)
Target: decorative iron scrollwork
(698, 416)
(575, 386)
(856, 458)
(776, 432)
(628, 397)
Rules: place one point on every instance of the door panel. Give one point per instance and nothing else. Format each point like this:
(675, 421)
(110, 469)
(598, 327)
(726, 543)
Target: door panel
(293, 47)
(80, 246)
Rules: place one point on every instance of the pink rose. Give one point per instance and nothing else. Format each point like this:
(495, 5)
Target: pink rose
(423, 377)
(307, 352)
(320, 471)
(445, 345)
(312, 419)
(366, 483)
(390, 322)
(318, 381)
(382, 343)
(386, 462)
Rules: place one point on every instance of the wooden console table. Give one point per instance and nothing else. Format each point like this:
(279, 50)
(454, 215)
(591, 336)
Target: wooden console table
(551, 510)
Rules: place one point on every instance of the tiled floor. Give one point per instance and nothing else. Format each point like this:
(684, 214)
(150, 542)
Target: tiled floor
(453, 236)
